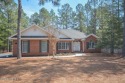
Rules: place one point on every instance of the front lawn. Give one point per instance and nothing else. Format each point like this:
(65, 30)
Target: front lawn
(83, 69)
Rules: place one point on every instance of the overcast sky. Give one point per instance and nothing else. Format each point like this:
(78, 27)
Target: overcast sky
(31, 6)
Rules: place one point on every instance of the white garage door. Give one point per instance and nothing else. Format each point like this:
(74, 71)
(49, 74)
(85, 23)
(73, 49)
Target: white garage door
(76, 46)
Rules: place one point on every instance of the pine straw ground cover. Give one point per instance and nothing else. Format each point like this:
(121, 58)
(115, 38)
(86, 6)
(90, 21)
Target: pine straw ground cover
(94, 68)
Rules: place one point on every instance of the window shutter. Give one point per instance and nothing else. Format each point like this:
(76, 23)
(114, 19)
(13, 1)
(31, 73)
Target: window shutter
(95, 44)
(57, 46)
(29, 46)
(69, 45)
(92, 44)
(48, 46)
(21, 46)
(87, 45)
(40, 46)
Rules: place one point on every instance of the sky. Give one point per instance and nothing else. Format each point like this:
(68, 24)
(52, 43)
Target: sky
(31, 6)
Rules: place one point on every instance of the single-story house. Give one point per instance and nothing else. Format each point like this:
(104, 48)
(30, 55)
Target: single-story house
(37, 41)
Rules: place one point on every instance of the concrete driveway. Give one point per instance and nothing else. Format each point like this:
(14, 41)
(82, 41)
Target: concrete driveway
(4, 55)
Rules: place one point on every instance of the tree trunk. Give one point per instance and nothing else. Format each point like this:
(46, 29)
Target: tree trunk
(112, 41)
(8, 31)
(123, 51)
(18, 30)
(112, 30)
(94, 31)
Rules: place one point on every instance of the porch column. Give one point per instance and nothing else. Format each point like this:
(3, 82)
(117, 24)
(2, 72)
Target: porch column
(72, 46)
(83, 45)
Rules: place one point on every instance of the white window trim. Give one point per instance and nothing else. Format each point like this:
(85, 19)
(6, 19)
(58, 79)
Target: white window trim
(90, 45)
(65, 44)
(23, 47)
(42, 47)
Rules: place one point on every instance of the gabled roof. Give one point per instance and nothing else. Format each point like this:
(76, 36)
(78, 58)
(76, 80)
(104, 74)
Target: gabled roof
(37, 32)
(92, 35)
(33, 31)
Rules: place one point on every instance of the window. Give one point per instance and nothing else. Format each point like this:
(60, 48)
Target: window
(63, 45)
(25, 46)
(91, 45)
(44, 46)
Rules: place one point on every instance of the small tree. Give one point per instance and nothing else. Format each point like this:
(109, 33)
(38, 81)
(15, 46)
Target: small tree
(53, 39)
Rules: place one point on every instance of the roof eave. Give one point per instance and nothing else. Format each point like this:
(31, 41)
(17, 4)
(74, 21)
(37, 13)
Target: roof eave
(92, 35)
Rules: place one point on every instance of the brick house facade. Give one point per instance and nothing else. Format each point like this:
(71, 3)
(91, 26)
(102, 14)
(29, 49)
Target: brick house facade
(34, 42)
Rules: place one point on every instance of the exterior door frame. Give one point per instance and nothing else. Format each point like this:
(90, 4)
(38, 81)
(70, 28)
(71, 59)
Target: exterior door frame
(76, 46)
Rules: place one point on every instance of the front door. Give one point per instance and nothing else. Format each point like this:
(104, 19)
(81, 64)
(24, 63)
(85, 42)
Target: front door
(76, 46)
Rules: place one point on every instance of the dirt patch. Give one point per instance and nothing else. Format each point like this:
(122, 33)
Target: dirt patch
(85, 69)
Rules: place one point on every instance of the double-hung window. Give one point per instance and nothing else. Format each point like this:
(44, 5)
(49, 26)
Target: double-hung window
(25, 46)
(63, 45)
(44, 46)
(91, 45)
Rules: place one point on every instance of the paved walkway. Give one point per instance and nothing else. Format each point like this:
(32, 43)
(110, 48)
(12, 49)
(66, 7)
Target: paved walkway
(60, 56)
(73, 55)
(56, 56)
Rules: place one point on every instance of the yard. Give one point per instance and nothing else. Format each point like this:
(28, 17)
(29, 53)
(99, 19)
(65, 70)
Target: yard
(92, 68)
